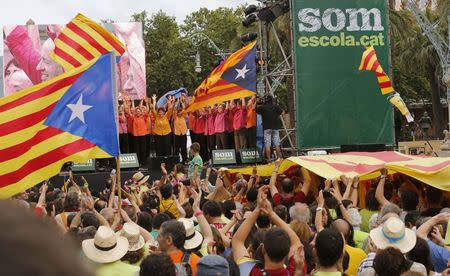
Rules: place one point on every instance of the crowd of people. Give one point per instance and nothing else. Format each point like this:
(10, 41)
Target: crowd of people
(230, 125)
(291, 223)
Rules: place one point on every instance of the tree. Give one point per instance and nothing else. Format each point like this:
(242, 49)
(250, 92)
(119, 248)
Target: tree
(416, 65)
(220, 26)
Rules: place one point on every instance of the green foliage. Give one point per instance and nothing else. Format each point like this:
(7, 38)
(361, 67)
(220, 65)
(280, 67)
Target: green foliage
(416, 66)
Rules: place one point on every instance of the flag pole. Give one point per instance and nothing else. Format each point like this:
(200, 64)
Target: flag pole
(116, 117)
(119, 186)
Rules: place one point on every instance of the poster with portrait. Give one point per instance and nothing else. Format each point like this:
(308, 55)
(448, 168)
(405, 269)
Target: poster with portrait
(27, 61)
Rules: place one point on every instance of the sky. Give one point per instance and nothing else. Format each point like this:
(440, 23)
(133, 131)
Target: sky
(14, 12)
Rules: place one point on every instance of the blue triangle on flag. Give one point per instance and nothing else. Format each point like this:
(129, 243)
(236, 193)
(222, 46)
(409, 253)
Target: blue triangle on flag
(244, 72)
(87, 109)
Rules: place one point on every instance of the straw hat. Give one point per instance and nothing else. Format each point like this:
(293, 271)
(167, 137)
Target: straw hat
(140, 178)
(193, 238)
(130, 231)
(105, 247)
(393, 233)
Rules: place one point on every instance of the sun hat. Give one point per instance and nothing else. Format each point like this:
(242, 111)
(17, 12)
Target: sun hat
(140, 178)
(213, 265)
(193, 238)
(105, 247)
(393, 233)
(130, 231)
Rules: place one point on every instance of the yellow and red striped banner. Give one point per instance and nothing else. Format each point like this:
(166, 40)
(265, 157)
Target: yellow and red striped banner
(369, 62)
(83, 40)
(433, 171)
(215, 90)
(31, 152)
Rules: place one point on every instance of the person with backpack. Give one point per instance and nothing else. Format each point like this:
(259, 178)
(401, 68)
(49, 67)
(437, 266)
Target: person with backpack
(288, 197)
(171, 238)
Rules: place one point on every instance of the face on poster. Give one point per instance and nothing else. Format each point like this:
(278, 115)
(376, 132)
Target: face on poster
(27, 61)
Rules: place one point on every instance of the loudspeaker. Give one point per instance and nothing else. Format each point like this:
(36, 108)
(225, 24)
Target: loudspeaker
(154, 162)
(363, 148)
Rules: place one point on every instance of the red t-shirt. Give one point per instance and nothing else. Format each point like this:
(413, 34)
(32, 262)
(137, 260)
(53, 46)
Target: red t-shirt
(298, 197)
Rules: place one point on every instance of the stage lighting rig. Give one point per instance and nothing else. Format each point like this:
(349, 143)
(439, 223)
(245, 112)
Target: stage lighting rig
(270, 11)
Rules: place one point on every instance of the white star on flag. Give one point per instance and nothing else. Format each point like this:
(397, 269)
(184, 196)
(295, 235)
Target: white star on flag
(78, 109)
(241, 72)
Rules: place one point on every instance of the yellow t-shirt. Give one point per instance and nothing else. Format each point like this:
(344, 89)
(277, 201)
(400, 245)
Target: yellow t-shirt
(168, 205)
(356, 257)
(117, 268)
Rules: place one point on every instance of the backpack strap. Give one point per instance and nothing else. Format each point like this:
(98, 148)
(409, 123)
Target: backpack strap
(186, 262)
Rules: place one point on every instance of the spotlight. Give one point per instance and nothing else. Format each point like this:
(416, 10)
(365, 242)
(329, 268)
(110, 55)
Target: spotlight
(270, 13)
(250, 9)
(249, 20)
(248, 37)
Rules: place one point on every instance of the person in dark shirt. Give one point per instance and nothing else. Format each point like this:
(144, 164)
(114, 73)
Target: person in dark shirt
(270, 113)
(434, 200)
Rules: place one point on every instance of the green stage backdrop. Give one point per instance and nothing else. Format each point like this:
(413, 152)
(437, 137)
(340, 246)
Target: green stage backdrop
(337, 104)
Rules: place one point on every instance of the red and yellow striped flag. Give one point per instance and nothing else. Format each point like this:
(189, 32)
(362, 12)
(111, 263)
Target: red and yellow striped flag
(83, 40)
(235, 78)
(369, 62)
(54, 122)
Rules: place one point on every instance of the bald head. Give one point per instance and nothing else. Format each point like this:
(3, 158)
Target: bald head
(108, 214)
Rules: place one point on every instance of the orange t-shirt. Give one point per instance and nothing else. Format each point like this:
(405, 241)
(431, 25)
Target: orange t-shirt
(251, 117)
(162, 124)
(139, 124)
(179, 125)
(177, 256)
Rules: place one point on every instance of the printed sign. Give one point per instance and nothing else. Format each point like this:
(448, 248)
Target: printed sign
(84, 167)
(250, 156)
(223, 157)
(128, 160)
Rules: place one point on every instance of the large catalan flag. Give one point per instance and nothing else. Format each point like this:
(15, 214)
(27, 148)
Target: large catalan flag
(68, 118)
(233, 79)
(369, 62)
(83, 40)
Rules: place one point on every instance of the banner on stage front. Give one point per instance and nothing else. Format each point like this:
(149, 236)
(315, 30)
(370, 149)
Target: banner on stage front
(27, 60)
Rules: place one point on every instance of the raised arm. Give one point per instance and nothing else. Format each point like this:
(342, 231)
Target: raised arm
(306, 181)
(273, 178)
(238, 241)
(320, 207)
(379, 192)
(354, 191)
(337, 195)
(426, 227)
(205, 228)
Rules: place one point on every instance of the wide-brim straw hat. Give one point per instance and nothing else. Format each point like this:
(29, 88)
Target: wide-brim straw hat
(140, 178)
(193, 238)
(393, 233)
(130, 231)
(105, 247)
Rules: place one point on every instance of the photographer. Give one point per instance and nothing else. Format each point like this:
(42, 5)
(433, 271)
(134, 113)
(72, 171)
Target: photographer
(270, 113)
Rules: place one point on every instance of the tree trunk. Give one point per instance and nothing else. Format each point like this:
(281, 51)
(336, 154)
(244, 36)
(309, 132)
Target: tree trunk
(438, 118)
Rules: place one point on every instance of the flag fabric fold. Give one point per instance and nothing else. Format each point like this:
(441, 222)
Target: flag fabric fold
(82, 40)
(233, 79)
(369, 62)
(70, 118)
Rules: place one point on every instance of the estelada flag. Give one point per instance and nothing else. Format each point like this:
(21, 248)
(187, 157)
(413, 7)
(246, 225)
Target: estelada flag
(82, 40)
(235, 78)
(369, 62)
(70, 118)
